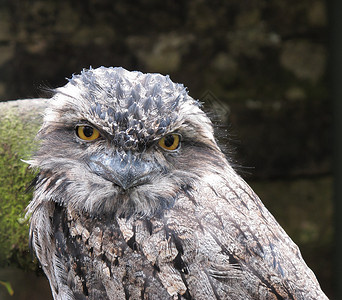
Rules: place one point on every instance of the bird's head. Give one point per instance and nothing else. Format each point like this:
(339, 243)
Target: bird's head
(115, 141)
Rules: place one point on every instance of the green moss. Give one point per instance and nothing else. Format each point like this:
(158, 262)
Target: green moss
(16, 143)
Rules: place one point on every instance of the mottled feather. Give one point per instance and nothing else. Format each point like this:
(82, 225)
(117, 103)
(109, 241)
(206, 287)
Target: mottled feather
(122, 218)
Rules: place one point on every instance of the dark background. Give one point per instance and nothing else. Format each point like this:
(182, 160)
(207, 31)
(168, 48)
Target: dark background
(262, 66)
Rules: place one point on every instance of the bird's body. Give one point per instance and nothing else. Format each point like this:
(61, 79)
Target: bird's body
(135, 200)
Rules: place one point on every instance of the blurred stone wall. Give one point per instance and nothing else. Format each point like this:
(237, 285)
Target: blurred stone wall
(262, 63)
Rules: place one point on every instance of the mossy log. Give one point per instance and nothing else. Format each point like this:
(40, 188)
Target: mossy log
(19, 122)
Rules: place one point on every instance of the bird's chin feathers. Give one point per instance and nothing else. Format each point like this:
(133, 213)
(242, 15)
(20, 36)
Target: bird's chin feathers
(86, 192)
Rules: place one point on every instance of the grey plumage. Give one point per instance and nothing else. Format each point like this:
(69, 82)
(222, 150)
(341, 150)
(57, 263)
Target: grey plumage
(122, 211)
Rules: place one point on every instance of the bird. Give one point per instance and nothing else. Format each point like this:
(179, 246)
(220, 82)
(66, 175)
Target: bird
(134, 199)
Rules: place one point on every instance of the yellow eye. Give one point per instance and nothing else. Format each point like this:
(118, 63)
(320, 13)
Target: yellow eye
(170, 142)
(87, 133)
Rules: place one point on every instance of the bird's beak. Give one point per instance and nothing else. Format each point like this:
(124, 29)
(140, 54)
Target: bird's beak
(124, 169)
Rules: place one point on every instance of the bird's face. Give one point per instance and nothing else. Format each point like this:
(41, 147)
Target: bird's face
(115, 141)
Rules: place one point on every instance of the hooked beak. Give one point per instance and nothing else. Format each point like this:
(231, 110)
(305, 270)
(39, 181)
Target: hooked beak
(124, 169)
